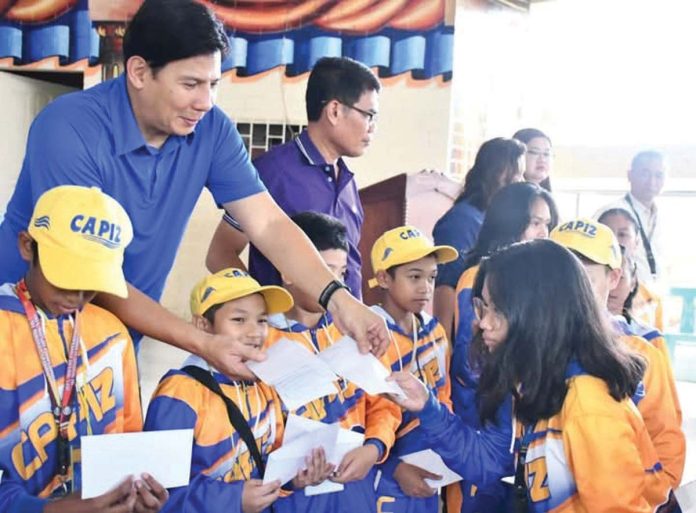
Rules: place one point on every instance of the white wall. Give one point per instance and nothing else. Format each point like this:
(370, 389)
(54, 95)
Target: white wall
(22, 99)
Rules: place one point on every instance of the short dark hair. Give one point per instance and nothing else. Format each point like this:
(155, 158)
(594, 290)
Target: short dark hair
(163, 31)
(34, 252)
(209, 314)
(337, 78)
(553, 320)
(507, 217)
(325, 232)
(527, 134)
(495, 165)
(618, 211)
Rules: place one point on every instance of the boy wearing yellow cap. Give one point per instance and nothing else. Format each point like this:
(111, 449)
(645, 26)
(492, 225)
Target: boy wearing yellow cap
(599, 251)
(376, 417)
(404, 263)
(68, 366)
(225, 470)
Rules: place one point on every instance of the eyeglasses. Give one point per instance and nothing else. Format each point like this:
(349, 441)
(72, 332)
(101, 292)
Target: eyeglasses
(370, 116)
(481, 310)
(537, 153)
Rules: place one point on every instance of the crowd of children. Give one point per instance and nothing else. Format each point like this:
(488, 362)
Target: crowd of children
(550, 389)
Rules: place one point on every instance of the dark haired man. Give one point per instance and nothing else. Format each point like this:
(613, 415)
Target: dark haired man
(309, 173)
(152, 139)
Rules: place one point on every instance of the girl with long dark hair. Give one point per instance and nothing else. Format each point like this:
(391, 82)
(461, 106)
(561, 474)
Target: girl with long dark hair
(580, 444)
(499, 162)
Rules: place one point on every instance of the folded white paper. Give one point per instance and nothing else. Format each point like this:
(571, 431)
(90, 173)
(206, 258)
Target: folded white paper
(364, 370)
(284, 463)
(109, 459)
(686, 497)
(346, 441)
(296, 373)
(429, 460)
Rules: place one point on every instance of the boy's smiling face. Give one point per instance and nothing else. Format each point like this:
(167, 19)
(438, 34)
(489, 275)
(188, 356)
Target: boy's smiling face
(244, 319)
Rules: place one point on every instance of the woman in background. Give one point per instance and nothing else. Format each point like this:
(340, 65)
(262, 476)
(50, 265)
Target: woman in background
(539, 156)
(499, 162)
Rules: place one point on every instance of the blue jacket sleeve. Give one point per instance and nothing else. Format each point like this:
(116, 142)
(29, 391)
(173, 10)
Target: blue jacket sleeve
(203, 493)
(481, 457)
(458, 228)
(15, 499)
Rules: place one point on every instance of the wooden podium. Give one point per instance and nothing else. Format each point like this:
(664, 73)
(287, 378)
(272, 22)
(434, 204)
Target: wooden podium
(419, 199)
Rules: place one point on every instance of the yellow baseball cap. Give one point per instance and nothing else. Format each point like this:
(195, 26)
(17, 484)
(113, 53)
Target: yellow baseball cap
(229, 284)
(405, 244)
(82, 234)
(595, 241)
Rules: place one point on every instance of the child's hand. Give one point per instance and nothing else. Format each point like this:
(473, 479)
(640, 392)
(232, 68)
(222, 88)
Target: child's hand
(151, 495)
(317, 471)
(257, 496)
(416, 392)
(411, 480)
(119, 500)
(356, 464)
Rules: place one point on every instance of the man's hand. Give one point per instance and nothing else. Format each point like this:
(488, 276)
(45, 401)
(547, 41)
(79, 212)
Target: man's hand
(317, 471)
(354, 319)
(416, 392)
(356, 464)
(228, 356)
(412, 480)
(121, 499)
(151, 495)
(257, 496)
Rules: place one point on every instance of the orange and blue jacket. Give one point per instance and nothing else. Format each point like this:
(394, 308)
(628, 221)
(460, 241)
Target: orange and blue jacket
(431, 366)
(107, 398)
(376, 417)
(220, 460)
(660, 407)
(594, 456)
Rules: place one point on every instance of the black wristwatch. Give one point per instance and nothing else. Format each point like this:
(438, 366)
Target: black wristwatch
(328, 291)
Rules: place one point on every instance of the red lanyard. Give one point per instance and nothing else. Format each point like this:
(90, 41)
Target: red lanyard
(62, 409)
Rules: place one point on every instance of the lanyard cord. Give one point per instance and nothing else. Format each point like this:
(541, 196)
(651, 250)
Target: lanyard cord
(256, 422)
(61, 407)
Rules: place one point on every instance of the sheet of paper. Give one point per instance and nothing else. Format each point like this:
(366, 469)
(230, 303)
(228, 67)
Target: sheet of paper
(364, 370)
(346, 441)
(686, 497)
(108, 459)
(429, 460)
(296, 373)
(284, 463)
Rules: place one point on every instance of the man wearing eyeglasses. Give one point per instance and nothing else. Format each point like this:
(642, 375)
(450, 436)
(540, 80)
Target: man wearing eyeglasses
(309, 173)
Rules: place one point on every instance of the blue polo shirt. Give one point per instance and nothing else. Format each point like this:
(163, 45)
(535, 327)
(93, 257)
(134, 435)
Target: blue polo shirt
(300, 180)
(459, 227)
(91, 138)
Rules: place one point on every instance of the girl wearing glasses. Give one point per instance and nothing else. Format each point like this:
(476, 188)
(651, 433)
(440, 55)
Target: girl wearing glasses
(539, 156)
(519, 212)
(580, 444)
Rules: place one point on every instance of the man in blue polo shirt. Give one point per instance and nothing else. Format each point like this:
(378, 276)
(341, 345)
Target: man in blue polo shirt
(309, 173)
(152, 139)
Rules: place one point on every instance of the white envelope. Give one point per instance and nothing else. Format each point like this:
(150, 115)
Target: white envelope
(432, 462)
(108, 459)
(686, 497)
(296, 373)
(364, 370)
(346, 441)
(284, 463)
